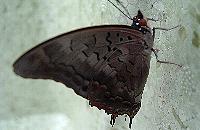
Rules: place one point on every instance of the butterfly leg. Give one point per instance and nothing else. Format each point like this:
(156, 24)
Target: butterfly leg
(165, 62)
(152, 19)
(155, 51)
(164, 29)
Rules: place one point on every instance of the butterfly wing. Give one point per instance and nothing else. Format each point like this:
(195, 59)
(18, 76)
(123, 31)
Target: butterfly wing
(103, 64)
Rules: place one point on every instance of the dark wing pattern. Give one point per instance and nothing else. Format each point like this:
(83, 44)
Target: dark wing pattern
(104, 64)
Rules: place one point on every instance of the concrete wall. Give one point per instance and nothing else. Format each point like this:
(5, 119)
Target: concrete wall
(171, 96)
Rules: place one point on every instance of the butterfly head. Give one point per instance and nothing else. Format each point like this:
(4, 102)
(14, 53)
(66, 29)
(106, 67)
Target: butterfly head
(140, 22)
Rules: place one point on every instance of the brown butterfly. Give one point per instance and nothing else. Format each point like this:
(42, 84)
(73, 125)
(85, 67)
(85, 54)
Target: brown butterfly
(108, 64)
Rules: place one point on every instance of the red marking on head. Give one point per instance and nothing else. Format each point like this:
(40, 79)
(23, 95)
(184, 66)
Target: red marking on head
(142, 22)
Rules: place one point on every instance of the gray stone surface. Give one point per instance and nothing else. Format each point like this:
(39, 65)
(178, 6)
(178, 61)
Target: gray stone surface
(171, 96)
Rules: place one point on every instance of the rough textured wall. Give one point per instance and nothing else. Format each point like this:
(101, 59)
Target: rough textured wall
(171, 96)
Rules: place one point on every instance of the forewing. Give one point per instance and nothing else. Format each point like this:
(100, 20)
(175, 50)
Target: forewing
(78, 57)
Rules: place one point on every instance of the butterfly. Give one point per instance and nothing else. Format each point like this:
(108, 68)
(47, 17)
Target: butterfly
(107, 64)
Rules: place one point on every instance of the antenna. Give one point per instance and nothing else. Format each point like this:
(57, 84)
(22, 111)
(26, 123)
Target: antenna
(127, 15)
